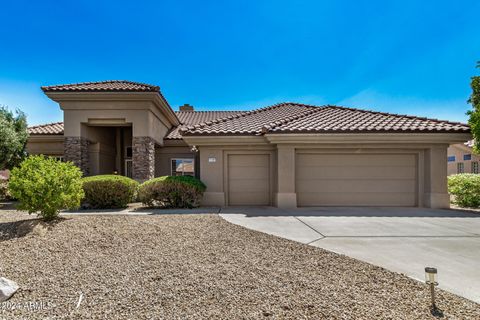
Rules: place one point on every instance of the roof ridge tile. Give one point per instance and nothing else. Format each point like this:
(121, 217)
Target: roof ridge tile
(231, 117)
(281, 122)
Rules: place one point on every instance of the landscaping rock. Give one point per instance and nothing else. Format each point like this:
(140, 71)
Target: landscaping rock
(7, 288)
(198, 266)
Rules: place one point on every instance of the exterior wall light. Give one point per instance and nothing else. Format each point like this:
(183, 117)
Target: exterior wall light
(432, 281)
(194, 149)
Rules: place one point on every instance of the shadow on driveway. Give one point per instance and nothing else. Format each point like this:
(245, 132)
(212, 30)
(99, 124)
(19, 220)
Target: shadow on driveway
(352, 212)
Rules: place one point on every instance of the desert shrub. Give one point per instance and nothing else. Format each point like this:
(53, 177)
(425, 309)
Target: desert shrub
(109, 191)
(46, 185)
(465, 189)
(172, 192)
(4, 193)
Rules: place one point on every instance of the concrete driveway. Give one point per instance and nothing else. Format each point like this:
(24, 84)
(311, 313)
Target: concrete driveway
(404, 240)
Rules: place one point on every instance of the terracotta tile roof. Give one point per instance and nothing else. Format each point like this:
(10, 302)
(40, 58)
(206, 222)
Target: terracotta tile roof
(292, 118)
(111, 85)
(55, 128)
(300, 118)
(250, 122)
(188, 118)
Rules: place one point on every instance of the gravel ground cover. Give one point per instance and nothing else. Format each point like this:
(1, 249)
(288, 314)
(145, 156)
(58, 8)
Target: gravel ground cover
(194, 267)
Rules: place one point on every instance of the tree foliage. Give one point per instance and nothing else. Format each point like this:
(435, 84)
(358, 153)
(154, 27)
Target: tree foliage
(46, 185)
(474, 114)
(13, 138)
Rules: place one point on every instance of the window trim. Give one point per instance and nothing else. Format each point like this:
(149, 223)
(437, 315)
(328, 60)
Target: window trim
(183, 159)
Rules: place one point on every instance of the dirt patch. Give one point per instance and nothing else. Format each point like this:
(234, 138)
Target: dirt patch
(198, 267)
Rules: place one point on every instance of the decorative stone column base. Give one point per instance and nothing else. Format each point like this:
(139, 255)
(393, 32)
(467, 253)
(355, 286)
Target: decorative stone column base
(76, 151)
(143, 158)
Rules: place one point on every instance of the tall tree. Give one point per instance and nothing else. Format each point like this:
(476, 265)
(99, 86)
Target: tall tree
(474, 120)
(13, 138)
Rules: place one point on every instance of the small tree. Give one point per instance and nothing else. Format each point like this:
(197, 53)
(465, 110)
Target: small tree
(474, 120)
(13, 138)
(46, 185)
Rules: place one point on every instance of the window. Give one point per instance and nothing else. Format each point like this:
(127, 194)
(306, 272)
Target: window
(183, 167)
(460, 167)
(451, 158)
(467, 157)
(474, 166)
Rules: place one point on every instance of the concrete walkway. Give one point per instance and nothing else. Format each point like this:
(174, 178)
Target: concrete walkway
(404, 240)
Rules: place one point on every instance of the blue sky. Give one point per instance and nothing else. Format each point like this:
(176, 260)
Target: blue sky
(413, 57)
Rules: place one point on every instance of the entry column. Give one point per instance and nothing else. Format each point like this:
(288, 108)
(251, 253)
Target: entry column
(286, 197)
(76, 151)
(143, 158)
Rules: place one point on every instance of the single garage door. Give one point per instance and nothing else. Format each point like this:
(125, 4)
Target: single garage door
(356, 179)
(248, 179)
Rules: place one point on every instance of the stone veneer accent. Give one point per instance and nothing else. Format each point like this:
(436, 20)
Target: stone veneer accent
(76, 150)
(143, 158)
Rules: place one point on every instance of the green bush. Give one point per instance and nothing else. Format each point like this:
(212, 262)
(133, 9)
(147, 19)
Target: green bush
(465, 189)
(109, 191)
(46, 185)
(172, 192)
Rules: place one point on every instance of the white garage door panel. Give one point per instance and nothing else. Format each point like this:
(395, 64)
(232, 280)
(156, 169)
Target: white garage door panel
(248, 173)
(366, 160)
(352, 186)
(248, 179)
(357, 199)
(332, 172)
(356, 179)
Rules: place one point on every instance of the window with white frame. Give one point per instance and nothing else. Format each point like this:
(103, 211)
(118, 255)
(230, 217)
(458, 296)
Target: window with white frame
(183, 167)
(460, 167)
(474, 166)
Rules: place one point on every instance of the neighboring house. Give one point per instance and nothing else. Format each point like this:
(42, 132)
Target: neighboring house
(461, 158)
(286, 155)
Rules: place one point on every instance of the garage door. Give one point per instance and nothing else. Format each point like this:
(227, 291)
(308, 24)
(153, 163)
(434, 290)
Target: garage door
(356, 179)
(248, 179)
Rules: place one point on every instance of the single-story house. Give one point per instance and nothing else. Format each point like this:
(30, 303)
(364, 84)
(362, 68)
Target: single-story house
(462, 159)
(286, 155)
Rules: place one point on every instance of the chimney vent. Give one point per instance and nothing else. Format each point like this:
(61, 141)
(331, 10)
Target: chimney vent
(186, 107)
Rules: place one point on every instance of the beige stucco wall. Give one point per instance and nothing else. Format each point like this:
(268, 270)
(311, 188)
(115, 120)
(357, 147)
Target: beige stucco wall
(48, 145)
(148, 113)
(214, 172)
(431, 185)
(459, 150)
(163, 156)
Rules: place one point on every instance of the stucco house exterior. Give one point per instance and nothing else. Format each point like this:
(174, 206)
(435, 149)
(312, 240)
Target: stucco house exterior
(287, 155)
(461, 159)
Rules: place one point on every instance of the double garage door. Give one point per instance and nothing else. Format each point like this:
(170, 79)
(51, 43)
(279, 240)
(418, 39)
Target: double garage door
(325, 179)
(356, 179)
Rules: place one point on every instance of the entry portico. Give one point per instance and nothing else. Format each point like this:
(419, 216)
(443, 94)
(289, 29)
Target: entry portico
(97, 120)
